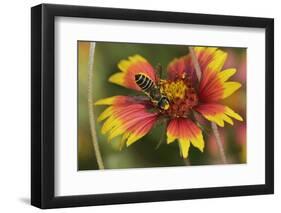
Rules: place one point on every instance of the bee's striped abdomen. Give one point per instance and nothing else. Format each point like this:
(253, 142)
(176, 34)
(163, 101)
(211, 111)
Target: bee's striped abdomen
(144, 82)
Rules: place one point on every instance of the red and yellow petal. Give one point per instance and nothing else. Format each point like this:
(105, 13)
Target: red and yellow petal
(229, 87)
(186, 132)
(129, 68)
(179, 67)
(213, 85)
(218, 113)
(127, 117)
(205, 56)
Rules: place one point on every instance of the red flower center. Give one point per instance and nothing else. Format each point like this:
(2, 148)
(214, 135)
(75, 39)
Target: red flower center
(182, 97)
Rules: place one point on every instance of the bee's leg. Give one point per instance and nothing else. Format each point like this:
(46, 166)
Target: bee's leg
(141, 97)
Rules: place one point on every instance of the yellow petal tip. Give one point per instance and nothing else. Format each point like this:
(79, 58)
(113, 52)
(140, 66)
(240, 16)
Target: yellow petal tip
(105, 101)
(117, 78)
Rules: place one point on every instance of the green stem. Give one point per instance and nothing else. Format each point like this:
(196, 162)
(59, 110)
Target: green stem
(218, 141)
(90, 107)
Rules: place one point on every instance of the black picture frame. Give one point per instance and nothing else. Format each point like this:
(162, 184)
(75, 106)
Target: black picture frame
(43, 102)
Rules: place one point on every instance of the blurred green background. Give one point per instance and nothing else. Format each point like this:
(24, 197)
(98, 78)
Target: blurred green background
(143, 153)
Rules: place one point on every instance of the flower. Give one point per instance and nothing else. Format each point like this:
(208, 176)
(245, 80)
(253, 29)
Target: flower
(133, 117)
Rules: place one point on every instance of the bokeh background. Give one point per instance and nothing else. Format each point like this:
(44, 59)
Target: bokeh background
(144, 153)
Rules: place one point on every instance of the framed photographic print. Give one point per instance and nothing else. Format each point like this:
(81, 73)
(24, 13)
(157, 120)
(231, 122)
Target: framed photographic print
(139, 106)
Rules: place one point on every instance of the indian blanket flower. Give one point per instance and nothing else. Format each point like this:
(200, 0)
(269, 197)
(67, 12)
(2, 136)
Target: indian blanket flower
(132, 117)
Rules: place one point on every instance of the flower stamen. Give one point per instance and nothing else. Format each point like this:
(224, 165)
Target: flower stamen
(182, 96)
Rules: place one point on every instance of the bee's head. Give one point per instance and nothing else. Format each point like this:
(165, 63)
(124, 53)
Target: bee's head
(164, 103)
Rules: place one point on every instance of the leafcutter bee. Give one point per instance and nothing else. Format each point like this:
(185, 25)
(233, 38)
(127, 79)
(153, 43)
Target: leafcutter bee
(152, 91)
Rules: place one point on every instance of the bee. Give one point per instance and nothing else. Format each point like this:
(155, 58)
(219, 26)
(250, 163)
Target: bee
(152, 91)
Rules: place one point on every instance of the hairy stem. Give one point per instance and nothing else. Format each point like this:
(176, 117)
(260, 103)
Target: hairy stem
(214, 126)
(218, 141)
(195, 63)
(187, 162)
(90, 107)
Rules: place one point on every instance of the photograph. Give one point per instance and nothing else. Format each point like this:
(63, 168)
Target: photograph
(143, 105)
